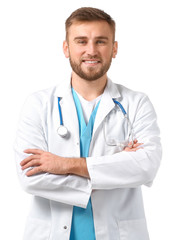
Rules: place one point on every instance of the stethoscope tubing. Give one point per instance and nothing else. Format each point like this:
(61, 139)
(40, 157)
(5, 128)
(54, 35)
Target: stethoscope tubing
(121, 107)
(60, 113)
(63, 128)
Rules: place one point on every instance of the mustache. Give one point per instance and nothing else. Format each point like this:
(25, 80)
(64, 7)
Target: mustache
(90, 57)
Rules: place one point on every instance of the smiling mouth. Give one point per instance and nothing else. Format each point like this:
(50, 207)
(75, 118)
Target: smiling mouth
(91, 62)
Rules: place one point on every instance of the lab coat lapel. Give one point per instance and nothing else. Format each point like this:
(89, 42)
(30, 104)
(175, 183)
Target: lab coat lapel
(106, 104)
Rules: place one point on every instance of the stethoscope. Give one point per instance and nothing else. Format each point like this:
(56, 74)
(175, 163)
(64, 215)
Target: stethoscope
(130, 139)
(63, 131)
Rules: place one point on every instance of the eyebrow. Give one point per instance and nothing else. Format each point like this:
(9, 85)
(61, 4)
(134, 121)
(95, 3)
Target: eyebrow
(84, 37)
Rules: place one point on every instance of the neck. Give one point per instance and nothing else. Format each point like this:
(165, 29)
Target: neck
(88, 89)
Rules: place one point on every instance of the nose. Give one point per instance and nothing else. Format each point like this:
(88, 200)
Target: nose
(91, 49)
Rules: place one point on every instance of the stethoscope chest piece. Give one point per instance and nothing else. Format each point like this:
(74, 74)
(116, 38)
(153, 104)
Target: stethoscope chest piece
(62, 131)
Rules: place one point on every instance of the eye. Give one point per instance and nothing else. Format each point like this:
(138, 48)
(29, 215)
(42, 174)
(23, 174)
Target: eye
(100, 42)
(81, 42)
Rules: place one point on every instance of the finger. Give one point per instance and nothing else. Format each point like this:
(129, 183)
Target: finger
(32, 163)
(131, 149)
(137, 145)
(28, 159)
(33, 171)
(135, 149)
(131, 144)
(127, 149)
(33, 151)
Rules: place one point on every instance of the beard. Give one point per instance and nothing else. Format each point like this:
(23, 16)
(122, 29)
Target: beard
(91, 74)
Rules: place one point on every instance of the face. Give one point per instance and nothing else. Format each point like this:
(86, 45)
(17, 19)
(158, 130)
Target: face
(90, 49)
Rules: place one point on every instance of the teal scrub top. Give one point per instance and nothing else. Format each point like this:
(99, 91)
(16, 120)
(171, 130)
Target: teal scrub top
(82, 227)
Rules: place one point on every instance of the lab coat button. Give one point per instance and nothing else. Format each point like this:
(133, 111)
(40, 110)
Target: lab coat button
(65, 227)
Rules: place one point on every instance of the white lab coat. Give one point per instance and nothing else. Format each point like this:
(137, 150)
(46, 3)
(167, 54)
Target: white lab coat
(116, 176)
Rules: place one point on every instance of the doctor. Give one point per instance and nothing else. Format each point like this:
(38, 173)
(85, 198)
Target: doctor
(84, 148)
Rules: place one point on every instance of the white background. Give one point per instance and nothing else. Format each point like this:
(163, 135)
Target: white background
(31, 58)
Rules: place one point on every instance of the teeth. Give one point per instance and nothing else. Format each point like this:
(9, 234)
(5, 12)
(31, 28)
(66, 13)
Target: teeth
(91, 61)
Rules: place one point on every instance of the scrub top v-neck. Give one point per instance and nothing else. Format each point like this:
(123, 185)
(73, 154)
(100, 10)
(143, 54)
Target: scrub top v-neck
(82, 227)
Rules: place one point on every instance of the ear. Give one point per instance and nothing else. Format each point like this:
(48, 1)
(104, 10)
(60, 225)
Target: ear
(66, 49)
(115, 49)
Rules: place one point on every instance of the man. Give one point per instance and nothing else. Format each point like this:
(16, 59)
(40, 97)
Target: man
(85, 148)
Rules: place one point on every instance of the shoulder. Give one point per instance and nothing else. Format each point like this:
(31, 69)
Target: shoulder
(131, 99)
(42, 97)
(38, 101)
(47, 95)
(126, 93)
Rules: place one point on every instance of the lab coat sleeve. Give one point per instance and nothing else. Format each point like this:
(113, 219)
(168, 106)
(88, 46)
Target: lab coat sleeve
(69, 189)
(131, 169)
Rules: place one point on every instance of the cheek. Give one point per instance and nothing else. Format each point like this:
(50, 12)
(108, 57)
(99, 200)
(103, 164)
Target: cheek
(75, 55)
(76, 52)
(106, 52)
(107, 56)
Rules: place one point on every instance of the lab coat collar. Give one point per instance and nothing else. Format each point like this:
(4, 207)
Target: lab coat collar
(112, 88)
(65, 88)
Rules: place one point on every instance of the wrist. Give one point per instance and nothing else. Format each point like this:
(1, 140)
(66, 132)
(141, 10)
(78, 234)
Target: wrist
(78, 166)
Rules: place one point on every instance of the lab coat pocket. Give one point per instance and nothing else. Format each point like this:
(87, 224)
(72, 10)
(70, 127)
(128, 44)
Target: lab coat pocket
(37, 229)
(133, 230)
(116, 127)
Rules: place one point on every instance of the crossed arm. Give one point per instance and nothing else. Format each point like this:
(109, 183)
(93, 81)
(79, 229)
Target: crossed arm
(42, 161)
(77, 177)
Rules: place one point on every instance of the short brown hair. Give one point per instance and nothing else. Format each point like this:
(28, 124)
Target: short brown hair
(86, 14)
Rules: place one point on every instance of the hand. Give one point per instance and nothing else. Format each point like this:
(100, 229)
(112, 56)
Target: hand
(42, 161)
(134, 147)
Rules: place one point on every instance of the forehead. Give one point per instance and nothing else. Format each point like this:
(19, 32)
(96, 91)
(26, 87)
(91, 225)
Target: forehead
(91, 29)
